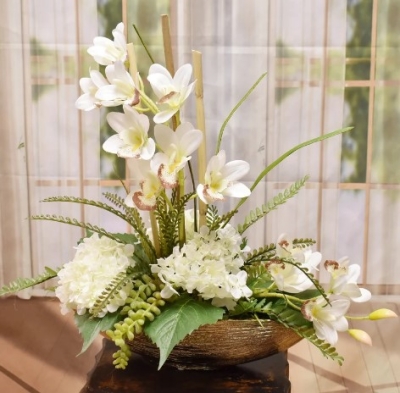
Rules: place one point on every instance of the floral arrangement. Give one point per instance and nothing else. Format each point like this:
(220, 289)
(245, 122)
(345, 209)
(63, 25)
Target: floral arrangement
(190, 266)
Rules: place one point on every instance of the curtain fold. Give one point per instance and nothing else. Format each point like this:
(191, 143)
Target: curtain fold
(15, 247)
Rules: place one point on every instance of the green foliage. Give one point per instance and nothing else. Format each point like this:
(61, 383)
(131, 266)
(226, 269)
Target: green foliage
(214, 220)
(24, 283)
(118, 282)
(212, 216)
(178, 320)
(310, 276)
(75, 222)
(90, 327)
(280, 199)
(143, 304)
(264, 253)
(303, 242)
(89, 202)
(130, 215)
(258, 277)
(168, 218)
(294, 320)
(142, 262)
(243, 99)
(135, 220)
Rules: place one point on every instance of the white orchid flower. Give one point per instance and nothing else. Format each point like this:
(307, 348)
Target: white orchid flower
(131, 140)
(90, 86)
(286, 249)
(303, 255)
(327, 319)
(171, 92)
(220, 179)
(176, 148)
(105, 51)
(144, 197)
(344, 280)
(287, 277)
(121, 90)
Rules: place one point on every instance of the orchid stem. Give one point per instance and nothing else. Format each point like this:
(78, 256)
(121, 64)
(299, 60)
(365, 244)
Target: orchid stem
(361, 318)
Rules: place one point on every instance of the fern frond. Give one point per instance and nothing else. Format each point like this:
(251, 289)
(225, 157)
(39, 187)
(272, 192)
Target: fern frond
(117, 283)
(211, 215)
(168, 220)
(224, 219)
(75, 222)
(141, 231)
(279, 199)
(130, 216)
(303, 243)
(115, 199)
(136, 221)
(290, 318)
(262, 254)
(310, 276)
(327, 350)
(293, 320)
(89, 202)
(167, 233)
(24, 283)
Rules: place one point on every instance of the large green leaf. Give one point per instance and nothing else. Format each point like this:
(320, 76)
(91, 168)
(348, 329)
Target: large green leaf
(89, 327)
(177, 321)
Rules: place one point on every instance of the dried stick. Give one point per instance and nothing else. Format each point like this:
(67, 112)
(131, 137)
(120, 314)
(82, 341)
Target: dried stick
(198, 75)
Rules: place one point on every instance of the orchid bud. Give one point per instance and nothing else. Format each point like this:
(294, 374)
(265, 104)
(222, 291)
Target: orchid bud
(361, 336)
(382, 313)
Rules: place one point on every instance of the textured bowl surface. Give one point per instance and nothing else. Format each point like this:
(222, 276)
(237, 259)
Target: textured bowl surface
(226, 343)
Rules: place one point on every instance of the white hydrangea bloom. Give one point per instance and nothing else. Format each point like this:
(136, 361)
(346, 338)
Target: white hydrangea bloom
(210, 264)
(97, 261)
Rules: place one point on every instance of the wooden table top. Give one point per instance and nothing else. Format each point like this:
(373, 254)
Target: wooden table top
(267, 375)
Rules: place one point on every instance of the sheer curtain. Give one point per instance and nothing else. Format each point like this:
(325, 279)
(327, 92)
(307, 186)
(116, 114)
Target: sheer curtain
(42, 148)
(15, 246)
(301, 44)
(48, 148)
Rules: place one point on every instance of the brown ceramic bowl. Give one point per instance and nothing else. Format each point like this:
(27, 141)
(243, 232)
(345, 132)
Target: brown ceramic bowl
(226, 343)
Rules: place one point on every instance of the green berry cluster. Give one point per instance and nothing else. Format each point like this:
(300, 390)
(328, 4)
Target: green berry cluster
(142, 304)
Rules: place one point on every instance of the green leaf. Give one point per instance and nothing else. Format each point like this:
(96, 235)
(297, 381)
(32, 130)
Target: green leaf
(89, 327)
(127, 238)
(23, 283)
(275, 163)
(279, 199)
(226, 121)
(177, 321)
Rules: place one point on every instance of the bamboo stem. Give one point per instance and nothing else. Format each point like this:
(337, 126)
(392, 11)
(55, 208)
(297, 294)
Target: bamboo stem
(169, 59)
(154, 229)
(198, 75)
